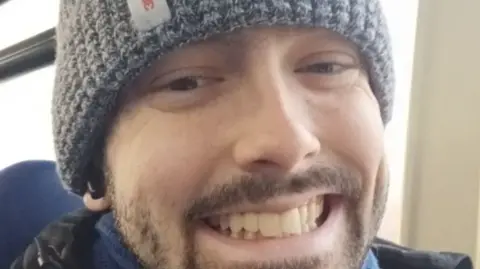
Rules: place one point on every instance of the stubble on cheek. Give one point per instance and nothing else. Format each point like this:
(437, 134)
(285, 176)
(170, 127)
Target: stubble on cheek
(151, 225)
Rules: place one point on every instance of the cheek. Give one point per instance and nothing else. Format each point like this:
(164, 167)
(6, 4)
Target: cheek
(159, 157)
(353, 128)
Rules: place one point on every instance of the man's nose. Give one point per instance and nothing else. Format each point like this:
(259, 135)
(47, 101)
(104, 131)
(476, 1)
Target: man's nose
(278, 134)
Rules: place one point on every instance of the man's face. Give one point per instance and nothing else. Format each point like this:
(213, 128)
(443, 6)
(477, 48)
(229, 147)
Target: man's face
(258, 149)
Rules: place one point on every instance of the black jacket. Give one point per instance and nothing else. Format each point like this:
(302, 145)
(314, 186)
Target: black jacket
(66, 244)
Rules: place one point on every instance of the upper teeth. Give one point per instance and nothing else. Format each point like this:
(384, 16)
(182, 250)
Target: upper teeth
(250, 225)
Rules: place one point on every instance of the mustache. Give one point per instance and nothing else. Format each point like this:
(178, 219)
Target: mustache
(259, 187)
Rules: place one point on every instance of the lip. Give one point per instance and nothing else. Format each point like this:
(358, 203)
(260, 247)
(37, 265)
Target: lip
(276, 205)
(322, 240)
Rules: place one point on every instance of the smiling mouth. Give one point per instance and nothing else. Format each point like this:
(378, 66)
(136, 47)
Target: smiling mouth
(296, 221)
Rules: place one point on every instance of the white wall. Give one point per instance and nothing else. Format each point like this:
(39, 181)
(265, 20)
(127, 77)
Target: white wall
(442, 192)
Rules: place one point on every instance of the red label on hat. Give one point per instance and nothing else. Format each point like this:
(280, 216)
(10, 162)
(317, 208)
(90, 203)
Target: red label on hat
(147, 14)
(148, 4)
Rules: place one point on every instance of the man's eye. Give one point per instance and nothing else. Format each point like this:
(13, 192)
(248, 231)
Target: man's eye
(185, 84)
(322, 68)
(189, 83)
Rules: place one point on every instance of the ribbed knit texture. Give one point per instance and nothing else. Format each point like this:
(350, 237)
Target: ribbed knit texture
(99, 51)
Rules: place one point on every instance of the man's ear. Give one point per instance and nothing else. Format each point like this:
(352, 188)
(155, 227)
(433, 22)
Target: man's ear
(95, 198)
(96, 178)
(97, 205)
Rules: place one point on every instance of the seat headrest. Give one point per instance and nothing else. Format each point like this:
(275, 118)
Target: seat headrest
(31, 196)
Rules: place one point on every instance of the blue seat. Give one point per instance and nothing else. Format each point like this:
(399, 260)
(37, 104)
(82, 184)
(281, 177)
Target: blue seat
(31, 196)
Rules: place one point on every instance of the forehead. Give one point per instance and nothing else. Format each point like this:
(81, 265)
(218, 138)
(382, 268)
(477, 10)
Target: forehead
(278, 32)
(245, 40)
(234, 46)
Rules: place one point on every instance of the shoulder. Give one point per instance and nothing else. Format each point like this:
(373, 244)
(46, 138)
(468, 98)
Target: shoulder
(392, 256)
(61, 244)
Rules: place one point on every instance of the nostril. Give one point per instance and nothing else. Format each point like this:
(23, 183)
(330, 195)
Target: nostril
(311, 155)
(313, 149)
(264, 162)
(275, 151)
(263, 165)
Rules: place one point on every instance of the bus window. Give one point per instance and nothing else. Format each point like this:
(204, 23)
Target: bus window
(25, 117)
(401, 17)
(21, 19)
(25, 90)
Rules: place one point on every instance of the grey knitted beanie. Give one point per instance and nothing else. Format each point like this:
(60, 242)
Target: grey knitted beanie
(105, 44)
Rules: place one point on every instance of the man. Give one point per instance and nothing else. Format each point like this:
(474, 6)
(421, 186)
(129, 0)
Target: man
(223, 134)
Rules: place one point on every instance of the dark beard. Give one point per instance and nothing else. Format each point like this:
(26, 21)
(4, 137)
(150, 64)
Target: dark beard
(144, 238)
